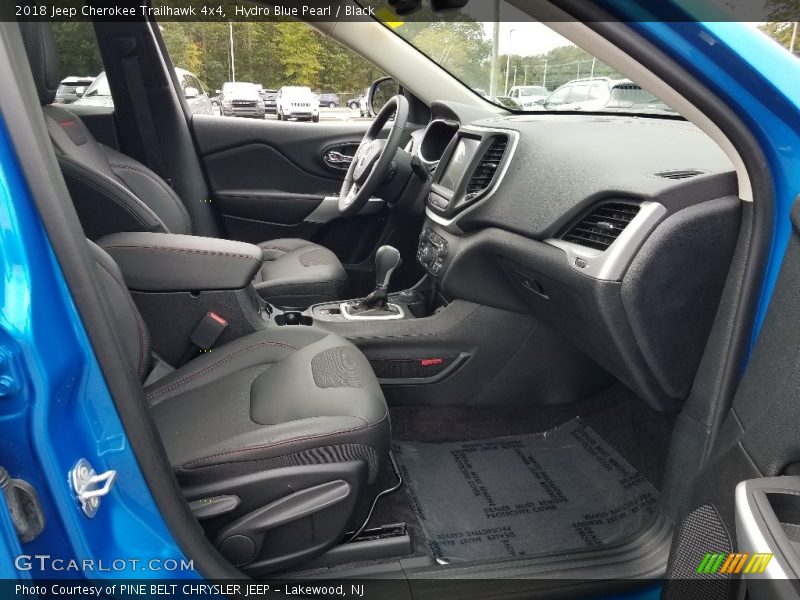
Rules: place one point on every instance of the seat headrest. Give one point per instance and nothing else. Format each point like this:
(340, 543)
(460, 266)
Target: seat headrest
(40, 44)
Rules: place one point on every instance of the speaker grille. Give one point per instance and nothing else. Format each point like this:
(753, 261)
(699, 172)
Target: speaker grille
(702, 532)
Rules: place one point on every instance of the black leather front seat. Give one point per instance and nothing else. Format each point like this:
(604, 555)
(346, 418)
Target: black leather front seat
(275, 436)
(114, 193)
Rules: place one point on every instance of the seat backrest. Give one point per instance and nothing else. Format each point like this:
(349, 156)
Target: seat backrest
(130, 326)
(112, 192)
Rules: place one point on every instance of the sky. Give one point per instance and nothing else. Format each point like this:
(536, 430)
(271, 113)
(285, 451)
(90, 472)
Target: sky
(527, 39)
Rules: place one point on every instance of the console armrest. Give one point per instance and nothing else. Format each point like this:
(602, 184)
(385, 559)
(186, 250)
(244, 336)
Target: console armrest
(166, 262)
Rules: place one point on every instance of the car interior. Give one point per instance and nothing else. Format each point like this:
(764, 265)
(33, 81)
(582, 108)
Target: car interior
(462, 353)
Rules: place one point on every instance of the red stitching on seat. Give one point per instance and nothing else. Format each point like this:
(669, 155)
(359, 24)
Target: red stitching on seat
(281, 443)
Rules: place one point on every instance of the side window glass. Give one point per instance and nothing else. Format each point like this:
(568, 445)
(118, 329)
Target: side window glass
(196, 83)
(80, 61)
(309, 67)
(578, 93)
(559, 96)
(595, 92)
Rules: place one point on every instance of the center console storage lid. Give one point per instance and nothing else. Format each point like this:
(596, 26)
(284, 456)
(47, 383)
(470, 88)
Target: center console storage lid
(166, 262)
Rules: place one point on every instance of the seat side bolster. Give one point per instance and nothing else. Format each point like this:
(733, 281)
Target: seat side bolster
(151, 189)
(104, 205)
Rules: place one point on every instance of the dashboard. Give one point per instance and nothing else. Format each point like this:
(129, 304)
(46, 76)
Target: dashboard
(617, 231)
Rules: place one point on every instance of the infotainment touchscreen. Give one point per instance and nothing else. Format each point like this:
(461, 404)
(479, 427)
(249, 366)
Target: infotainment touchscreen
(465, 149)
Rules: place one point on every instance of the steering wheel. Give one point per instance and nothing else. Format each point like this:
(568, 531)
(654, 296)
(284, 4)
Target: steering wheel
(372, 161)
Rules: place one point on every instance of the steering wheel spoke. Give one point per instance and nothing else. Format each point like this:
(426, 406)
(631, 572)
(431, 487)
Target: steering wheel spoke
(372, 161)
(351, 194)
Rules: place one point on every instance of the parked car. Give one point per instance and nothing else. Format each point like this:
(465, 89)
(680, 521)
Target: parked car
(527, 95)
(195, 94)
(71, 88)
(329, 100)
(99, 93)
(297, 102)
(627, 96)
(354, 103)
(269, 98)
(602, 93)
(242, 99)
(506, 102)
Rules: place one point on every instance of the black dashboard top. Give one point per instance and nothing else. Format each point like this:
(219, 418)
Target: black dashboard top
(564, 163)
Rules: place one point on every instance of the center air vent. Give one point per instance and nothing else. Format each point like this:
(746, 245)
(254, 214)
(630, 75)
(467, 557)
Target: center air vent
(679, 174)
(484, 173)
(602, 226)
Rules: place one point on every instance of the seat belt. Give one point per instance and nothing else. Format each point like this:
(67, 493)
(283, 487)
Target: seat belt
(142, 114)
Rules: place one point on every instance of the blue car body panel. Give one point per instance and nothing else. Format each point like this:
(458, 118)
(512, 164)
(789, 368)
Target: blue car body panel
(59, 408)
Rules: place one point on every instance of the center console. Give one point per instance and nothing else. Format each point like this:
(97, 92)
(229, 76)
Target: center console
(432, 251)
(195, 294)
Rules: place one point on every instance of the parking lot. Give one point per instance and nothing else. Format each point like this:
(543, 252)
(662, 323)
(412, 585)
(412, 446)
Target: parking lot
(342, 114)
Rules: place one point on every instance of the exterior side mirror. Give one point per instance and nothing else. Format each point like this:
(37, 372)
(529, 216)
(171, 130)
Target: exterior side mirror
(191, 92)
(80, 91)
(380, 92)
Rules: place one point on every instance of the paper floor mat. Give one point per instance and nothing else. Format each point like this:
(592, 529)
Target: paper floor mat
(564, 489)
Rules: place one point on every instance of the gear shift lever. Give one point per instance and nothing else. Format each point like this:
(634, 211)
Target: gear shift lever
(387, 259)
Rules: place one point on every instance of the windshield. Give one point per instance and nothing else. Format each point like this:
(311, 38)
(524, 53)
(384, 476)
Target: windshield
(296, 91)
(532, 91)
(518, 64)
(243, 90)
(99, 87)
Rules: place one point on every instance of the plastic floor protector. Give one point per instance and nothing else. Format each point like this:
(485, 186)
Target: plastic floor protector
(560, 490)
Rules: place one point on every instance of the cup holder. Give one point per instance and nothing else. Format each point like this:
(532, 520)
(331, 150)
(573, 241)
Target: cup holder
(293, 318)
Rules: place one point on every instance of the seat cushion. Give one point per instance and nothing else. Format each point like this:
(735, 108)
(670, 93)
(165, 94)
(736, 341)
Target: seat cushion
(281, 397)
(298, 273)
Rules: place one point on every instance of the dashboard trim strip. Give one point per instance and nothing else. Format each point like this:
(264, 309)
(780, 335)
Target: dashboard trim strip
(611, 264)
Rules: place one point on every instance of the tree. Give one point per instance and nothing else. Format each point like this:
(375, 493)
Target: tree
(268, 53)
(78, 49)
(782, 33)
(461, 48)
(300, 54)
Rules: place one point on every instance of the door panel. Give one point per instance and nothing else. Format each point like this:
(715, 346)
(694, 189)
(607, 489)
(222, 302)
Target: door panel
(758, 442)
(270, 179)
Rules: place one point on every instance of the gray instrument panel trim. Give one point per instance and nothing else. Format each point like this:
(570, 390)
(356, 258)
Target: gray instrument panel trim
(611, 264)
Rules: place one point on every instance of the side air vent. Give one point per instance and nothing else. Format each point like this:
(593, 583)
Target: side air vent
(485, 171)
(602, 226)
(679, 174)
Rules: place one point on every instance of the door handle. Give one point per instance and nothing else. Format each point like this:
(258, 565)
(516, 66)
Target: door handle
(335, 158)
